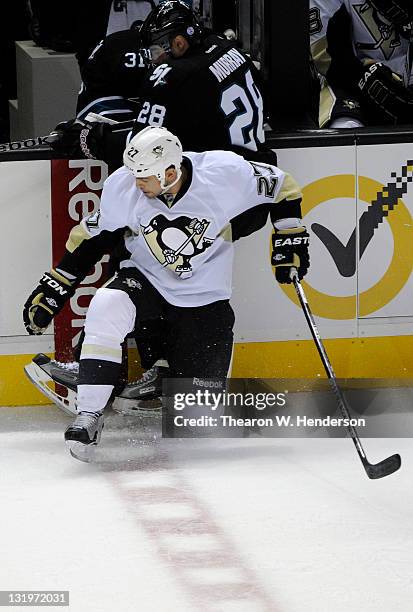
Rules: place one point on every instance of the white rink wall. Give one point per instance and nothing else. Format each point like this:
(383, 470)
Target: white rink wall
(370, 309)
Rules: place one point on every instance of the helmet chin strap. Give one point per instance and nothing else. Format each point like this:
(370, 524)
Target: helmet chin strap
(166, 187)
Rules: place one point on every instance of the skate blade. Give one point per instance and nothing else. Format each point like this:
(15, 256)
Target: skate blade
(44, 383)
(139, 408)
(82, 452)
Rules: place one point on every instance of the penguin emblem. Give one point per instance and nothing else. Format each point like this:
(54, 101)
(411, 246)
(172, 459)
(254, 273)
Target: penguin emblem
(174, 242)
(385, 36)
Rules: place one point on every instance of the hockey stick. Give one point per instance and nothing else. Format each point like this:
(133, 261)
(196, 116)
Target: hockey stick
(40, 142)
(378, 470)
(43, 142)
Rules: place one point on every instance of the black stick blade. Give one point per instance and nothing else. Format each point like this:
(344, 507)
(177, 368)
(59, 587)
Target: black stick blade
(384, 468)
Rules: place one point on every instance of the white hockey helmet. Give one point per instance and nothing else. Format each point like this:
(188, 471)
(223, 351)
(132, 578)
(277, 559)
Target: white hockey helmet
(151, 152)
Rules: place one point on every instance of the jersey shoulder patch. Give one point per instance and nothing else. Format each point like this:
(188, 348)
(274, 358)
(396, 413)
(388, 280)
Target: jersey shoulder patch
(172, 72)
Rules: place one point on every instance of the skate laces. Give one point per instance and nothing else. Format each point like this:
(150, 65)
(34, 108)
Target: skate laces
(145, 376)
(86, 419)
(71, 366)
(149, 373)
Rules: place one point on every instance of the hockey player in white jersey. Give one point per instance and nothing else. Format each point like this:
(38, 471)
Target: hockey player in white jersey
(174, 210)
(198, 95)
(363, 52)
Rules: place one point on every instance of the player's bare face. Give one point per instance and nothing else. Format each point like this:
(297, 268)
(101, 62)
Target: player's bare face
(150, 186)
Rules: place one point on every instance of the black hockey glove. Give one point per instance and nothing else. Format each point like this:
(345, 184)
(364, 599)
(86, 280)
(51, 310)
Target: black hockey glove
(79, 139)
(290, 249)
(386, 91)
(46, 301)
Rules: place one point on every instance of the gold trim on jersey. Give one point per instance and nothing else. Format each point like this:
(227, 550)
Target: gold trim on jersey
(320, 55)
(289, 189)
(77, 235)
(226, 233)
(327, 101)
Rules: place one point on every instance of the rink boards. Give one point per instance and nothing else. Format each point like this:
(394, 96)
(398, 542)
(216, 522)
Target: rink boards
(357, 200)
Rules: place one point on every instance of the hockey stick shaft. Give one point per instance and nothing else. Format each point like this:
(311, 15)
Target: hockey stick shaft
(373, 471)
(326, 362)
(28, 143)
(44, 142)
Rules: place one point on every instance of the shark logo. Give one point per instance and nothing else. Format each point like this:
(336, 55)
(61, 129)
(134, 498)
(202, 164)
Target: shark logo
(384, 34)
(159, 74)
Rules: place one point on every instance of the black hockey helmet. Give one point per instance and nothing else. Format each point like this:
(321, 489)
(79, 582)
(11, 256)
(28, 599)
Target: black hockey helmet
(167, 20)
(398, 12)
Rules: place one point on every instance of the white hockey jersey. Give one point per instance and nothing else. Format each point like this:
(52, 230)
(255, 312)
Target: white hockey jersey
(183, 249)
(373, 36)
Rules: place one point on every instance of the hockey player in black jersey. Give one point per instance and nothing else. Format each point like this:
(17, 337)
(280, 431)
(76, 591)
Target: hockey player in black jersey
(159, 180)
(202, 87)
(202, 77)
(113, 73)
(363, 51)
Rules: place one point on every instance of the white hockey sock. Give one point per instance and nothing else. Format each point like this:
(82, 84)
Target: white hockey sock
(110, 318)
(93, 398)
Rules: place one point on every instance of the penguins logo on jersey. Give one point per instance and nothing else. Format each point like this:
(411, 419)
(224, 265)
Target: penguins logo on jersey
(175, 242)
(385, 35)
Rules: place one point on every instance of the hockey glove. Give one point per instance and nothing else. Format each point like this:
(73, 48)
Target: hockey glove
(79, 139)
(290, 249)
(386, 92)
(46, 301)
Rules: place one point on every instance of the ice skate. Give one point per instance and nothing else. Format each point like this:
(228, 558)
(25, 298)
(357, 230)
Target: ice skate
(83, 435)
(57, 381)
(66, 374)
(143, 396)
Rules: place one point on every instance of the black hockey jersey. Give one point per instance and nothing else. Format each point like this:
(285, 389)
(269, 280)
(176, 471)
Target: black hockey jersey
(112, 75)
(210, 98)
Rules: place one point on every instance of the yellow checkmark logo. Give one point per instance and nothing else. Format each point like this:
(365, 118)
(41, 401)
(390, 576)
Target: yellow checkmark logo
(400, 268)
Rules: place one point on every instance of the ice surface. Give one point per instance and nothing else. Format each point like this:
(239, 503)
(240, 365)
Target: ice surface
(283, 525)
